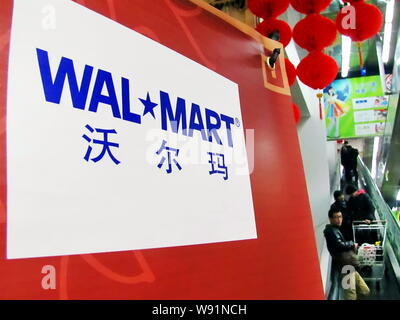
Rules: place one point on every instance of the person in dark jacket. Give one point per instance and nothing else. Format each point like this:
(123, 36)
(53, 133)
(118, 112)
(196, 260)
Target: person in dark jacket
(361, 209)
(353, 164)
(348, 156)
(343, 153)
(360, 205)
(340, 204)
(336, 242)
(343, 254)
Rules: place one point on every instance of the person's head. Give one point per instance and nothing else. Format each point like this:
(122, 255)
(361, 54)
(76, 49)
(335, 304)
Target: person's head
(335, 217)
(338, 195)
(351, 190)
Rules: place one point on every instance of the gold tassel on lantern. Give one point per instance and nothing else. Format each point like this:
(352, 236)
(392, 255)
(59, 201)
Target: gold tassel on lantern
(359, 47)
(319, 96)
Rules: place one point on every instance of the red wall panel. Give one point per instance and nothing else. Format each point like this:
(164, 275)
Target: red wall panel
(281, 264)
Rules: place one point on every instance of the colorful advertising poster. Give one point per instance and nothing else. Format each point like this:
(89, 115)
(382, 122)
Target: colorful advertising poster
(355, 108)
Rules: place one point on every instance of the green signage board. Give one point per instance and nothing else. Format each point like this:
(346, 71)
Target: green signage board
(355, 108)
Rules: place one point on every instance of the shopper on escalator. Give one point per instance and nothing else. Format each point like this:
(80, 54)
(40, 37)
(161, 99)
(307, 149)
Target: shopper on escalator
(343, 255)
(361, 209)
(340, 204)
(360, 205)
(342, 251)
(348, 156)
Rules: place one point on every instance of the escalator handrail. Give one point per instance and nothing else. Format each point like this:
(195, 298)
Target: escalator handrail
(388, 213)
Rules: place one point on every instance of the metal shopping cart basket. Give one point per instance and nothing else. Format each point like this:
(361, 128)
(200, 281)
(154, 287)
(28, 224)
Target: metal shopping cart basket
(371, 253)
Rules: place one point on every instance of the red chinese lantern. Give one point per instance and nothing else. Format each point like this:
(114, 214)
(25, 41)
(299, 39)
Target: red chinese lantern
(290, 71)
(310, 6)
(296, 112)
(268, 8)
(314, 32)
(317, 70)
(368, 21)
(269, 26)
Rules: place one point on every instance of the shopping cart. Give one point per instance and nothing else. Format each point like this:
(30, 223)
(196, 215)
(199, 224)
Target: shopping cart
(371, 254)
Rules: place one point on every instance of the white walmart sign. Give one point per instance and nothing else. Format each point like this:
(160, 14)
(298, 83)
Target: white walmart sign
(115, 142)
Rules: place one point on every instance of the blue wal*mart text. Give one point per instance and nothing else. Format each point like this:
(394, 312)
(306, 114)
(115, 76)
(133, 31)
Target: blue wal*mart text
(212, 126)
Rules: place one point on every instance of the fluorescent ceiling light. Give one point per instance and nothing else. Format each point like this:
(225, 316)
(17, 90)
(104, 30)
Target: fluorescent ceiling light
(374, 157)
(387, 34)
(386, 42)
(346, 52)
(389, 11)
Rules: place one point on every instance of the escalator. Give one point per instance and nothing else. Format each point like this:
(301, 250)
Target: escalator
(389, 287)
